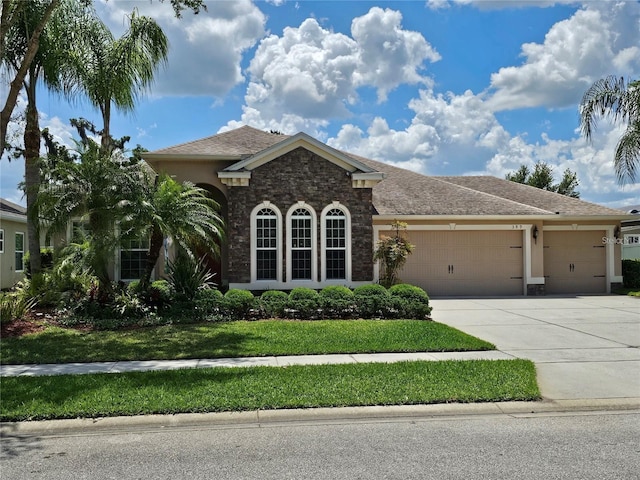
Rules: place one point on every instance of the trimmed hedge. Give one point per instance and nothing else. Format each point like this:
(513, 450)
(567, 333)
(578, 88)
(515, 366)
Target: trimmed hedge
(372, 301)
(274, 303)
(631, 273)
(337, 302)
(303, 303)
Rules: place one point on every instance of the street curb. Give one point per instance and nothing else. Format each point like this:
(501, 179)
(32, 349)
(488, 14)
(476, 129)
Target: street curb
(263, 418)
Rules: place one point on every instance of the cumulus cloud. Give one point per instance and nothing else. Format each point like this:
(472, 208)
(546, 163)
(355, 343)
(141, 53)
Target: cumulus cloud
(206, 50)
(598, 40)
(310, 73)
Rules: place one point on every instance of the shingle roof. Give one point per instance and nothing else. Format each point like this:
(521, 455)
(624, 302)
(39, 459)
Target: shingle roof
(241, 142)
(10, 207)
(404, 192)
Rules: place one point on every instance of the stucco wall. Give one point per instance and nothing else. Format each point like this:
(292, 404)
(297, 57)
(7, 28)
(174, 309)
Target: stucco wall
(8, 274)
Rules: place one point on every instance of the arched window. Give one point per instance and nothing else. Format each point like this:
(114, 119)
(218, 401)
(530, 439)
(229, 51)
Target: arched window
(265, 245)
(336, 243)
(301, 243)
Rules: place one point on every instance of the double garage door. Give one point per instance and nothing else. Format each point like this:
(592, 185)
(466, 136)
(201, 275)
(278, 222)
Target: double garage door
(466, 263)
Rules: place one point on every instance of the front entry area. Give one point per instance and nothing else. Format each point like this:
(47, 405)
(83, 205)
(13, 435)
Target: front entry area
(466, 262)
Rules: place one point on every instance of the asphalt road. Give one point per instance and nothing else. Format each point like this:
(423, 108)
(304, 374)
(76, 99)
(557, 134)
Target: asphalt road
(596, 445)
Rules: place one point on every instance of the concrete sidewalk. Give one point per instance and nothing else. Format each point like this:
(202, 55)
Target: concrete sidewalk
(280, 361)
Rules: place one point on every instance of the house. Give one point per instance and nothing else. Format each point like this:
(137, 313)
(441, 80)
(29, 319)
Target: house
(13, 243)
(631, 235)
(301, 213)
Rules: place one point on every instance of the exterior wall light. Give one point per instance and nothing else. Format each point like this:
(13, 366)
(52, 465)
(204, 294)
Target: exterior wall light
(534, 233)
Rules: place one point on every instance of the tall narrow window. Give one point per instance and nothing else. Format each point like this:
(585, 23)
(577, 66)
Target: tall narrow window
(301, 244)
(1, 240)
(336, 244)
(266, 244)
(19, 252)
(133, 258)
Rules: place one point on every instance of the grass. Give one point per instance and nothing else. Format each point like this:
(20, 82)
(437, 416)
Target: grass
(236, 389)
(236, 339)
(632, 292)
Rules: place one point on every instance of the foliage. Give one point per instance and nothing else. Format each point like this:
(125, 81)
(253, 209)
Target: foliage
(372, 301)
(392, 252)
(183, 212)
(209, 305)
(274, 303)
(410, 301)
(46, 254)
(15, 304)
(188, 275)
(238, 304)
(631, 273)
(337, 302)
(542, 178)
(619, 100)
(303, 303)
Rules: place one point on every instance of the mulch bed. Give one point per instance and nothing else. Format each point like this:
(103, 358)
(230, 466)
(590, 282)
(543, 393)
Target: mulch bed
(33, 322)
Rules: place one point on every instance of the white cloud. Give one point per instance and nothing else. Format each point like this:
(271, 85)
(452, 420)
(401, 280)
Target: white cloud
(205, 50)
(598, 40)
(310, 73)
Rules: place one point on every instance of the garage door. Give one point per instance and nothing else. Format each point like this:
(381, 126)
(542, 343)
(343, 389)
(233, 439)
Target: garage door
(466, 263)
(574, 262)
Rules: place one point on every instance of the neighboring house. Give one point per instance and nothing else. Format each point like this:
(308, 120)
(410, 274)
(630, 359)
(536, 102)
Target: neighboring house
(631, 235)
(301, 213)
(13, 243)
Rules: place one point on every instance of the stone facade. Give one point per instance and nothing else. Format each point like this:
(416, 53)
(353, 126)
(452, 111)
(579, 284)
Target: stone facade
(299, 175)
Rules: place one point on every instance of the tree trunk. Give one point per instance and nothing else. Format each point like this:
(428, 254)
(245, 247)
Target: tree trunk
(105, 140)
(32, 175)
(155, 246)
(16, 84)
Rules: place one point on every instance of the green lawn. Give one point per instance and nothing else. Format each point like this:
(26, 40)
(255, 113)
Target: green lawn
(234, 389)
(236, 339)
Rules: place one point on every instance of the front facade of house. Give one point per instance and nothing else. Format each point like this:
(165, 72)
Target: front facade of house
(300, 213)
(13, 243)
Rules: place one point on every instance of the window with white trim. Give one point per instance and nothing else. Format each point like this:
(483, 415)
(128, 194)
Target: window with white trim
(19, 250)
(335, 225)
(301, 244)
(1, 240)
(266, 248)
(133, 258)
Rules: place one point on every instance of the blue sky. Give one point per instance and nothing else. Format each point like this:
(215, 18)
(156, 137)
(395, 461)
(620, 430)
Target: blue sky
(440, 87)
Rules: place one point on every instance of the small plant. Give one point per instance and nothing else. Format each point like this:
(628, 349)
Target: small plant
(337, 302)
(274, 303)
(14, 305)
(393, 252)
(303, 303)
(238, 303)
(410, 301)
(188, 275)
(631, 273)
(372, 301)
(209, 305)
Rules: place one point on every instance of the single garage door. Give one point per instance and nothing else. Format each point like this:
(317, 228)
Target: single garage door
(466, 263)
(574, 262)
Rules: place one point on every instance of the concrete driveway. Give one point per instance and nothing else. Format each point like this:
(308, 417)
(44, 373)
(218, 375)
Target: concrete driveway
(584, 347)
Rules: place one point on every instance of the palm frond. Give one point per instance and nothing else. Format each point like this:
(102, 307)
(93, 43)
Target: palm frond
(627, 154)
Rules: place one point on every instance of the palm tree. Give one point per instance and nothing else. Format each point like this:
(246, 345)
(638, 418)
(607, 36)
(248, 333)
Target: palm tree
(98, 190)
(117, 71)
(183, 212)
(61, 35)
(619, 100)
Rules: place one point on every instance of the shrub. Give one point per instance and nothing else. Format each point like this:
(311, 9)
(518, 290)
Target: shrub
(372, 301)
(208, 305)
(631, 273)
(46, 260)
(274, 303)
(337, 302)
(238, 303)
(303, 303)
(14, 305)
(188, 275)
(392, 252)
(410, 301)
